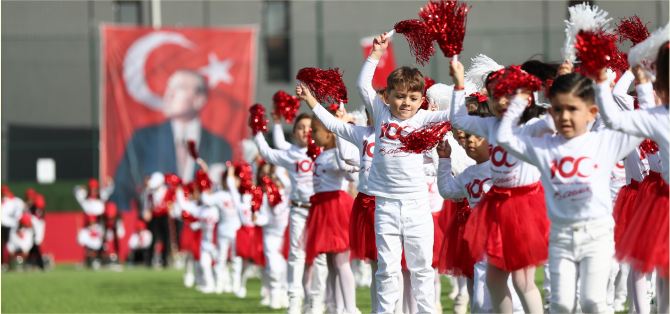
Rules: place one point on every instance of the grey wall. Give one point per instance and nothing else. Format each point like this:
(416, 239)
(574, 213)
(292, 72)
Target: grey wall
(50, 53)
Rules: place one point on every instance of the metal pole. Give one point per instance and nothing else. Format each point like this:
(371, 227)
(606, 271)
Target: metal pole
(156, 13)
(93, 86)
(545, 29)
(319, 34)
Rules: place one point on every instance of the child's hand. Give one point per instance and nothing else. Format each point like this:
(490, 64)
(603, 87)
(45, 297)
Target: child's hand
(341, 114)
(444, 149)
(525, 94)
(457, 72)
(379, 45)
(254, 217)
(565, 68)
(601, 76)
(305, 94)
(275, 115)
(201, 163)
(231, 171)
(640, 76)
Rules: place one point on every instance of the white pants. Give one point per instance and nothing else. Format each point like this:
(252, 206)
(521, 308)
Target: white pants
(206, 258)
(275, 263)
(221, 267)
(408, 224)
(616, 285)
(296, 261)
(584, 248)
(480, 300)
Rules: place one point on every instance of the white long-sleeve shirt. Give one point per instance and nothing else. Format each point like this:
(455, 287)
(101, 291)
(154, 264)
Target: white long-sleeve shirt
(229, 220)
(140, 240)
(327, 174)
(21, 239)
(394, 174)
(617, 179)
(650, 123)
(273, 219)
(278, 137)
(90, 237)
(296, 162)
(434, 199)
(209, 218)
(91, 206)
(11, 211)
(361, 137)
(506, 170)
(576, 171)
(241, 202)
(472, 183)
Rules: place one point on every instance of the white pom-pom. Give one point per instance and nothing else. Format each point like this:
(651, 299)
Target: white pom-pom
(645, 53)
(249, 150)
(360, 118)
(459, 159)
(582, 17)
(476, 74)
(440, 94)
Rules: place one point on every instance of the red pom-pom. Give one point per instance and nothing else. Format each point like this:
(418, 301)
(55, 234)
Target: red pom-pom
(326, 86)
(633, 30)
(419, 37)
(256, 198)
(259, 123)
(429, 82)
(425, 138)
(287, 105)
(508, 81)
(172, 180)
(243, 171)
(620, 62)
(596, 50)
(334, 107)
(647, 147)
(446, 22)
(480, 97)
(187, 217)
(274, 197)
(313, 150)
(192, 150)
(202, 180)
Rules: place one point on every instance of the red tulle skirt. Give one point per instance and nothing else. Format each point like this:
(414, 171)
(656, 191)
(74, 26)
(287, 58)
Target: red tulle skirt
(257, 255)
(286, 247)
(362, 240)
(644, 244)
(243, 242)
(455, 257)
(623, 208)
(327, 225)
(438, 238)
(190, 241)
(509, 227)
(449, 208)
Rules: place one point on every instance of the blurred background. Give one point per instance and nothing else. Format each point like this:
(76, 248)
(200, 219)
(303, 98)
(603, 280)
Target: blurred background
(55, 81)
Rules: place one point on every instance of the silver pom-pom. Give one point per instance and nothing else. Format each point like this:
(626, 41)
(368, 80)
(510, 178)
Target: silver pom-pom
(645, 53)
(476, 74)
(440, 94)
(582, 17)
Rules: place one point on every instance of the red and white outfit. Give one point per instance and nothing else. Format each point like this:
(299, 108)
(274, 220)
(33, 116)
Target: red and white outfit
(511, 229)
(208, 217)
(93, 205)
(299, 167)
(140, 240)
(21, 240)
(226, 233)
(274, 221)
(402, 213)
(576, 174)
(91, 237)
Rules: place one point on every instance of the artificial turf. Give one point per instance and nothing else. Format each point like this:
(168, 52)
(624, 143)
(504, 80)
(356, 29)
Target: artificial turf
(67, 289)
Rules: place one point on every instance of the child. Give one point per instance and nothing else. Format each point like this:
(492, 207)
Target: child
(114, 229)
(157, 209)
(92, 199)
(575, 167)
(398, 183)
(186, 202)
(511, 228)
(91, 239)
(37, 212)
(22, 238)
(650, 220)
(274, 220)
(328, 220)
(139, 244)
(299, 167)
(208, 217)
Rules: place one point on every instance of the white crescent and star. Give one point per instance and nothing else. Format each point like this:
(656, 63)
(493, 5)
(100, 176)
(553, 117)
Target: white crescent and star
(217, 71)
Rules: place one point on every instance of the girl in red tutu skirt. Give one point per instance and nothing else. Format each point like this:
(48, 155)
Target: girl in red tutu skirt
(644, 244)
(356, 146)
(509, 226)
(327, 225)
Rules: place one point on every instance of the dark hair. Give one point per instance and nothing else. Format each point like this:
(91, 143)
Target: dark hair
(575, 84)
(406, 78)
(662, 69)
(482, 108)
(259, 177)
(301, 117)
(543, 70)
(533, 111)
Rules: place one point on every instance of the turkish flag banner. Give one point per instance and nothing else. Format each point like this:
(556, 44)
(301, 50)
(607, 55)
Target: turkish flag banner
(386, 64)
(162, 88)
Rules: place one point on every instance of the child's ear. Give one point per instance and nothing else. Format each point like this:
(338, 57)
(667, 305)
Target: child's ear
(549, 111)
(385, 97)
(593, 110)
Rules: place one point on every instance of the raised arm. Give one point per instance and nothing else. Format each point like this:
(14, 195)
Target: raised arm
(278, 137)
(335, 125)
(282, 175)
(446, 184)
(273, 156)
(638, 122)
(348, 153)
(620, 91)
(462, 121)
(107, 190)
(514, 144)
(645, 95)
(364, 83)
(264, 213)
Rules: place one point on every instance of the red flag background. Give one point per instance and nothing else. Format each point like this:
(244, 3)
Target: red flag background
(386, 64)
(137, 63)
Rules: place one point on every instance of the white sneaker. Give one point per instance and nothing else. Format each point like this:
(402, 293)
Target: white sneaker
(276, 302)
(316, 306)
(227, 287)
(189, 280)
(206, 289)
(236, 285)
(619, 306)
(219, 287)
(438, 307)
(294, 306)
(241, 293)
(452, 295)
(461, 304)
(331, 308)
(284, 302)
(265, 301)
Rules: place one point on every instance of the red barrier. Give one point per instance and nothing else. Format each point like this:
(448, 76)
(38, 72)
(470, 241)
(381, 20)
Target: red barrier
(60, 238)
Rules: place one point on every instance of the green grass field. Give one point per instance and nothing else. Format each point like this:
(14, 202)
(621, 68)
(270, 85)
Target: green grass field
(70, 290)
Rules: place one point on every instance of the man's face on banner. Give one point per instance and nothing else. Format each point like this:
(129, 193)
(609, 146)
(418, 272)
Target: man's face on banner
(185, 95)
